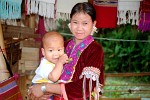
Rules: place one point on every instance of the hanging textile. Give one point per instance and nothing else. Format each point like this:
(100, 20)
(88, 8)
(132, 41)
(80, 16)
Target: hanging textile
(128, 12)
(10, 9)
(144, 23)
(63, 8)
(50, 24)
(41, 31)
(104, 10)
(41, 7)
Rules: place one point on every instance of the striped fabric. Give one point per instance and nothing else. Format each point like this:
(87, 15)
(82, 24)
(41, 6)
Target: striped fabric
(9, 90)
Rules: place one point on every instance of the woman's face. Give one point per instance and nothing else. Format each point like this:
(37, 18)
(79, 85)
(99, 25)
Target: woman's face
(81, 26)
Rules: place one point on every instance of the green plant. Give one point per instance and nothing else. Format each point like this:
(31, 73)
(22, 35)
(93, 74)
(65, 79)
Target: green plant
(122, 54)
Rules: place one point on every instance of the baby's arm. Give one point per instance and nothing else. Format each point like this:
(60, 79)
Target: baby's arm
(56, 72)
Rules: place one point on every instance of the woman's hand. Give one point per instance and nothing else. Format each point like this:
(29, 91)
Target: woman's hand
(35, 93)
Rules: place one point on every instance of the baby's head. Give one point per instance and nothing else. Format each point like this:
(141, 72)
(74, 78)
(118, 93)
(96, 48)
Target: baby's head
(53, 46)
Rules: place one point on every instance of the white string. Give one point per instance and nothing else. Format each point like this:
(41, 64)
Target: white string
(112, 39)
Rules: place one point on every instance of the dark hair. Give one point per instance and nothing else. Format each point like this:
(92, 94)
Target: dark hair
(84, 7)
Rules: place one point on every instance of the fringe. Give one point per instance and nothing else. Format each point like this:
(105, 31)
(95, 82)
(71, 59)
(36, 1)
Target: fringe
(84, 88)
(10, 9)
(128, 12)
(41, 7)
(133, 17)
(64, 16)
(90, 88)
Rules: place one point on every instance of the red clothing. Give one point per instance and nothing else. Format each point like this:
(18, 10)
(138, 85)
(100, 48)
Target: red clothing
(91, 56)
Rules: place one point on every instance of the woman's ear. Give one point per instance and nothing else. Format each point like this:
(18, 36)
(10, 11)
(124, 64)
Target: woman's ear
(94, 23)
(94, 29)
(69, 25)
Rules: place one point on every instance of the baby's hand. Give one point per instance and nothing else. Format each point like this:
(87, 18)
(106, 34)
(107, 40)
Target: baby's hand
(63, 59)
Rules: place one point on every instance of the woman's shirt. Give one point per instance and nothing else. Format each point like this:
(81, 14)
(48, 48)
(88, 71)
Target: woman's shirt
(92, 56)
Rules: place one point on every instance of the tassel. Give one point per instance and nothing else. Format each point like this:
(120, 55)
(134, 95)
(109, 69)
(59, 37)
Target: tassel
(84, 88)
(90, 88)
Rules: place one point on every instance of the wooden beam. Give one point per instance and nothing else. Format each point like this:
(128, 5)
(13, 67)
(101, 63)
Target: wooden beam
(120, 99)
(127, 74)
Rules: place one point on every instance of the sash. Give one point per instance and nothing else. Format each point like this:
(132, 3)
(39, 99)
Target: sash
(73, 51)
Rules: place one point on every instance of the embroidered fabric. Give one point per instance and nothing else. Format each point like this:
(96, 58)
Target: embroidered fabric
(93, 74)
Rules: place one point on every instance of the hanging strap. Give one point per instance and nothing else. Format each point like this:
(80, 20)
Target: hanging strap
(7, 63)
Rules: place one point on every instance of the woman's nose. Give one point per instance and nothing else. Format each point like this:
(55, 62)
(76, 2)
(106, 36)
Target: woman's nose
(79, 27)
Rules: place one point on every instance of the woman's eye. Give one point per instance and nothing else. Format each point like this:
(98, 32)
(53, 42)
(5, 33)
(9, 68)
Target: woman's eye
(84, 23)
(75, 22)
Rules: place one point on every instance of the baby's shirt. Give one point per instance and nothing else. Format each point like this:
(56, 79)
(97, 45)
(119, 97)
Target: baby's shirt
(43, 71)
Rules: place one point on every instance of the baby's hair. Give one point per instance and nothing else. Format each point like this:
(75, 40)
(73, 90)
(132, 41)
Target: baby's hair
(51, 35)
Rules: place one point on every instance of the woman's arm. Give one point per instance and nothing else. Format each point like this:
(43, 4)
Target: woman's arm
(35, 91)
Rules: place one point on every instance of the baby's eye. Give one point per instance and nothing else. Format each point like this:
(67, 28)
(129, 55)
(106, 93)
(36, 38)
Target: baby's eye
(50, 50)
(59, 49)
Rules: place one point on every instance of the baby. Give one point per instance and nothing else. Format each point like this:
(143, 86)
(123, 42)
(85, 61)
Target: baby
(51, 64)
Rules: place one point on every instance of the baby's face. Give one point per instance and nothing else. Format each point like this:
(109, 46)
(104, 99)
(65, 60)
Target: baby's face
(53, 50)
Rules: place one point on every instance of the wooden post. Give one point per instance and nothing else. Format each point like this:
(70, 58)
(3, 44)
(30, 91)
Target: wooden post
(3, 68)
(32, 21)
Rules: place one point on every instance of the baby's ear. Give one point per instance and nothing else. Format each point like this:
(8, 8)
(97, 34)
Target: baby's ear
(43, 52)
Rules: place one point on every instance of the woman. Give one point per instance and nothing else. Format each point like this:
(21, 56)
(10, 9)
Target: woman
(84, 72)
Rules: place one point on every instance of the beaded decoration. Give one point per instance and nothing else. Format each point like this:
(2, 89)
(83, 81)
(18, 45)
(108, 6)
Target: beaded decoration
(93, 74)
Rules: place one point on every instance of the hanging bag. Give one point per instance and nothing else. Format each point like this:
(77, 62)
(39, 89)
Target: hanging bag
(9, 90)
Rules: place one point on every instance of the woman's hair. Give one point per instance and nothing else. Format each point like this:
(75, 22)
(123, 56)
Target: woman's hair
(84, 7)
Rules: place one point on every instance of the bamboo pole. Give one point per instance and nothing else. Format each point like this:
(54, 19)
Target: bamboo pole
(3, 68)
